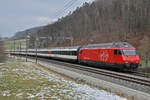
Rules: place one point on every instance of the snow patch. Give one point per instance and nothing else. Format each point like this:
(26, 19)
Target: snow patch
(30, 96)
(6, 93)
(19, 95)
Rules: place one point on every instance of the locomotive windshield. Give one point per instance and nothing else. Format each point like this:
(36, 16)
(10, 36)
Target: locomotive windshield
(129, 52)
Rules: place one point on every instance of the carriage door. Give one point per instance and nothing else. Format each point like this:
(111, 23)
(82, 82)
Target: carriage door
(117, 56)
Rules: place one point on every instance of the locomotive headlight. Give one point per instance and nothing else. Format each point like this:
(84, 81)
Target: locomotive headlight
(132, 60)
(126, 62)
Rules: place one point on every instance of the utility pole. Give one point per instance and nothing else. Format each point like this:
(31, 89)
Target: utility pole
(36, 44)
(36, 48)
(36, 55)
(20, 49)
(47, 41)
(27, 37)
(14, 46)
(71, 40)
(11, 47)
(26, 48)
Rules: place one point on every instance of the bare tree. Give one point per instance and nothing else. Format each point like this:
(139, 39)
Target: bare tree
(118, 20)
(144, 49)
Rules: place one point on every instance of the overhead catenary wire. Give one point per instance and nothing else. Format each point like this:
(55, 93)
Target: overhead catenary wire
(66, 6)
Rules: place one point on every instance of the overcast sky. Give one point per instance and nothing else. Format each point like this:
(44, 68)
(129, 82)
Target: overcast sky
(18, 15)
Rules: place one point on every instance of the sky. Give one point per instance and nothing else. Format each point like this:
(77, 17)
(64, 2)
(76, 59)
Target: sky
(18, 15)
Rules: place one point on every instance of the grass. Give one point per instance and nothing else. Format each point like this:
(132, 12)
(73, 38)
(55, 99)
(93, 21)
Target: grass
(21, 80)
(9, 44)
(145, 68)
(144, 64)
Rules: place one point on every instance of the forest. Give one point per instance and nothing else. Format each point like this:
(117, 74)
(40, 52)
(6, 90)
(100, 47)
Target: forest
(99, 22)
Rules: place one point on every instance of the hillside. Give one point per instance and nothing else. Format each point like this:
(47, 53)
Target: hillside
(101, 21)
(22, 34)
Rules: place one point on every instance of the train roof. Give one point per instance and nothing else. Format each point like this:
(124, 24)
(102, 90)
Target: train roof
(75, 48)
(110, 45)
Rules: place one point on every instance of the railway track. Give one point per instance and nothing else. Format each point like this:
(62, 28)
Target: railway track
(112, 74)
(118, 76)
(146, 75)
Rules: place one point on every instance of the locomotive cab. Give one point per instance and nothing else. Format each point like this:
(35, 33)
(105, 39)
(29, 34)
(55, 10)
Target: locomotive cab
(127, 57)
(131, 59)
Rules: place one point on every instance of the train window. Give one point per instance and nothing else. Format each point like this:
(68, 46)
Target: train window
(75, 53)
(54, 52)
(64, 52)
(72, 52)
(117, 52)
(129, 52)
(69, 52)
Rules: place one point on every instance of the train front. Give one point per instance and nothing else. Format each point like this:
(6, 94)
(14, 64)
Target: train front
(131, 59)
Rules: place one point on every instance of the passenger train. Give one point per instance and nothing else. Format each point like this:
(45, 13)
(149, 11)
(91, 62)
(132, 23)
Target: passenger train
(120, 55)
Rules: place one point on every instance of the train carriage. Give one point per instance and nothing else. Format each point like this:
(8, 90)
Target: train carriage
(69, 54)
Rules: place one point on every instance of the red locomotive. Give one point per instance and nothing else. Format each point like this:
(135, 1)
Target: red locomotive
(119, 55)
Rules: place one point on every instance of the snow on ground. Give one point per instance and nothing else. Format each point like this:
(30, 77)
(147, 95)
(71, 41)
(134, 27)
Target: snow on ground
(34, 82)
